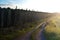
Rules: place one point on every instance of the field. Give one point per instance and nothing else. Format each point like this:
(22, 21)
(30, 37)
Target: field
(52, 30)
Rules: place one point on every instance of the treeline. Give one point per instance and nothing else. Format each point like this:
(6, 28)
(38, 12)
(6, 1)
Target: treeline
(17, 17)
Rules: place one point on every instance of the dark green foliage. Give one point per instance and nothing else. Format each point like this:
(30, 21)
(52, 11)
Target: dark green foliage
(18, 17)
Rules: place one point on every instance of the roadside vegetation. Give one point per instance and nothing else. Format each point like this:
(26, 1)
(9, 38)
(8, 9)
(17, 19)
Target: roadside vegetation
(12, 33)
(52, 30)
(33, 36)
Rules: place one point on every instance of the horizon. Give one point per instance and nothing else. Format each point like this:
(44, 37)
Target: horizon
(36, 5)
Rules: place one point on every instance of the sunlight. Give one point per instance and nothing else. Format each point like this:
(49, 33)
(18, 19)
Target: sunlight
(43, 5)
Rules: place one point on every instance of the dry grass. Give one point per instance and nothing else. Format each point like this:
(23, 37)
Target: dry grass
(52, 30)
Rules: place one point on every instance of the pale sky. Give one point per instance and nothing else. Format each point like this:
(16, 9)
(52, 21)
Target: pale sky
(39, 5)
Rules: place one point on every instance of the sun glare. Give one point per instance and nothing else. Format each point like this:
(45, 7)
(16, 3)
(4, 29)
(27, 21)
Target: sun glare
(43, 5)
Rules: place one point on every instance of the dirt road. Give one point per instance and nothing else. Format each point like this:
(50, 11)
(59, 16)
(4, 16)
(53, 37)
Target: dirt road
(40, 35)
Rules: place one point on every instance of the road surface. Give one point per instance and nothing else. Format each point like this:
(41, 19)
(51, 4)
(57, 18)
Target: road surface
(38, 37)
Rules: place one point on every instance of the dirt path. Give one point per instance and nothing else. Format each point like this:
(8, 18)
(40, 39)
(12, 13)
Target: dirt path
(40, 35)
(28, 35)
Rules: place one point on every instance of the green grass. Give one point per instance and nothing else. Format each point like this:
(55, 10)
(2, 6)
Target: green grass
(10, 34)
(35, 33)
(15, 34)
(52, 30)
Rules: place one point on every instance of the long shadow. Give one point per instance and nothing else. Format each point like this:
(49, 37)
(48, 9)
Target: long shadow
(42, 36)
(42, 31)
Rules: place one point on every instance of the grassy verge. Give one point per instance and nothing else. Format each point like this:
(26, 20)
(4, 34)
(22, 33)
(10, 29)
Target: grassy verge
(52, 30)
(11, 33)
(34, 34)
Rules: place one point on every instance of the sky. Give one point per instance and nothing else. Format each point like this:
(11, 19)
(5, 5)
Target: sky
(38, 5)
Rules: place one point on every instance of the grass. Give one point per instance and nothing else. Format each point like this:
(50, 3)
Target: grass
(52, 30)
(15, 34)
(10, 34)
